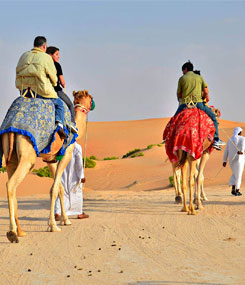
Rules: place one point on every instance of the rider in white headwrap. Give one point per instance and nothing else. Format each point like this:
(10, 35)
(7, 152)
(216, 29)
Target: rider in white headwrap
(235, 150)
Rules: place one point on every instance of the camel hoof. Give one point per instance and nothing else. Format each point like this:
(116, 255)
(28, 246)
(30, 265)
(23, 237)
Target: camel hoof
(12, 237)
(204, 198)
(66, 222)
(199, 207)
(53, 229)
(193, 212)
(195, 201)
(21, 233)
(178, 200)
(185, 210)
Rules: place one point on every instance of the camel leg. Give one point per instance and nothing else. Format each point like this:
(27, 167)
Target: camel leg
(11, 167)
(177, 185)
(55, 189)
(184, 186)
(192, 164)
(200, 179)
(195, 176)
(26, 157)
(64, 220)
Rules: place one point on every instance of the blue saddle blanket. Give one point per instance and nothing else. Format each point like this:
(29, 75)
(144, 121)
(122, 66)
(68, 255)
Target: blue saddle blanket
(35, 118)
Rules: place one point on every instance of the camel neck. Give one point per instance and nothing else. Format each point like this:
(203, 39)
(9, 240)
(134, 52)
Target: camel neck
(80, 118)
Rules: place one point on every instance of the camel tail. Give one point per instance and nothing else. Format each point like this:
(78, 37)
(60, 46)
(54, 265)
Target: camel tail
(182, 159)
(11, 146)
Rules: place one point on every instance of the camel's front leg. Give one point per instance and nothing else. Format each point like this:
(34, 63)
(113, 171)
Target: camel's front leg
(55, 189)
(200, 180)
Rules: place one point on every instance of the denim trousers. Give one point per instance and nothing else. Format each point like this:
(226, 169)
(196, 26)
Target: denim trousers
(205, 109)
(68, 102)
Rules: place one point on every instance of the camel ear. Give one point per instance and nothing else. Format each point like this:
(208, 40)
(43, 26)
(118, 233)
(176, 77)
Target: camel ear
(74, 93)
(85, 92)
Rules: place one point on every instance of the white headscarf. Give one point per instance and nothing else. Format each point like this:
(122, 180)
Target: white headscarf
(234, 138)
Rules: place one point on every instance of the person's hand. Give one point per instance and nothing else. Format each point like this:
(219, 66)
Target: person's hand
(239, 152)
(224, 164)
(83, 180)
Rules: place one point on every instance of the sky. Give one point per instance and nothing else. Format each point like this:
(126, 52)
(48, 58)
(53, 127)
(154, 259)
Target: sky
(128, 54)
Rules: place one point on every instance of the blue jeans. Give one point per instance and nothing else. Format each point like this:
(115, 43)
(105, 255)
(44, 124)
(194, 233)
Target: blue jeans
(205, 109)
(58, 105)
(68, 102)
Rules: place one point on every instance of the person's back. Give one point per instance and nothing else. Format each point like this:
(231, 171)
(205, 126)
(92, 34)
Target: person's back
(191, 84)
(36, 70)
(192, 91)
(36, 76)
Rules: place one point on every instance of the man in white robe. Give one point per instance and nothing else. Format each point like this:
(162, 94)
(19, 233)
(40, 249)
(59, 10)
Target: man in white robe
(72, 180)
(235, 150)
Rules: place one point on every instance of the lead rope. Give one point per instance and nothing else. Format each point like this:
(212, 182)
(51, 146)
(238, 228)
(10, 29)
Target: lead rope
(85, 150)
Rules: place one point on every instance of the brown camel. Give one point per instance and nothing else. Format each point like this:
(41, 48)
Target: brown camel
(188, 138)
(198, 172)
(20, 158)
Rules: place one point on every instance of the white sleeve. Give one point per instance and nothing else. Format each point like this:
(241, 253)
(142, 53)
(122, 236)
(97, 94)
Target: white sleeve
(79, 163)
(226, 152)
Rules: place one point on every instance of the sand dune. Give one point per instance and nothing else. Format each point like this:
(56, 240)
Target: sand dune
(135, 233)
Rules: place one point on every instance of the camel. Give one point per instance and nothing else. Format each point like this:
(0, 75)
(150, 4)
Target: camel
(188, 138)
(199, 194)
(20, 157)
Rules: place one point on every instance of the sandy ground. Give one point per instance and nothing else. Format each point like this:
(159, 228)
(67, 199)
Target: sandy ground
(135, 233)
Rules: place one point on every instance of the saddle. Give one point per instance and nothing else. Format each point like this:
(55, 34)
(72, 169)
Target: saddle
(35, 118)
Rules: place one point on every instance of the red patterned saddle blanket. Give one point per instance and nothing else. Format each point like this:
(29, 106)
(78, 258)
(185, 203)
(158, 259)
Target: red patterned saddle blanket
(187, 131)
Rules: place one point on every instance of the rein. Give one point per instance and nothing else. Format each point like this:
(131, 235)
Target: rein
(82, 108)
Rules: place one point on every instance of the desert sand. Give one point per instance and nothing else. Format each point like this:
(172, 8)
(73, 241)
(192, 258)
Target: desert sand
(135, 234)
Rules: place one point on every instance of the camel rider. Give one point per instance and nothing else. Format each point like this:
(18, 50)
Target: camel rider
(36, 76)
(191, 87)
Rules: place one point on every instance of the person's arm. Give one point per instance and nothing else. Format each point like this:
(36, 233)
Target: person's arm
(79, 162)
(205, 94)
(179, 90)
(226, 152)
(62, 81)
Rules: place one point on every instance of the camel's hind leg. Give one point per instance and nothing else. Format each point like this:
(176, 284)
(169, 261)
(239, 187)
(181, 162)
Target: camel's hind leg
(184, 169)
(26, 157)
(192, 164)
(11, 167)
(177, 184)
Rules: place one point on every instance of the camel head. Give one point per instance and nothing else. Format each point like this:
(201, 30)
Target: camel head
(83, 101)
(217, 112)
